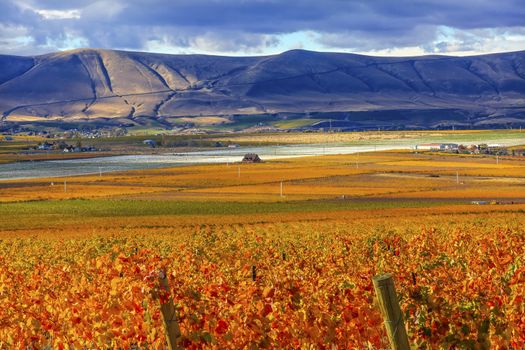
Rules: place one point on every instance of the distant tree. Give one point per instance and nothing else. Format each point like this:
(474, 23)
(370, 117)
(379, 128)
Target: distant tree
(462, 149)
(483, 148)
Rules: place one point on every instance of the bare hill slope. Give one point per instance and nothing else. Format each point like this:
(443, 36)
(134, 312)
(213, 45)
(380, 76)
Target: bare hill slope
(90, 84)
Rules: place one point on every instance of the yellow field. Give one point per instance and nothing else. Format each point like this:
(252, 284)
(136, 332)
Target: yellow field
(387, 174)
(205, 120)
(78, 264)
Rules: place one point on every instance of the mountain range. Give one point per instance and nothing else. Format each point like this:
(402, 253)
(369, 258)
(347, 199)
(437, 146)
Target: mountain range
(95, 85)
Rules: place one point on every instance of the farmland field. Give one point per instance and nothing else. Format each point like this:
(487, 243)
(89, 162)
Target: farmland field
(20, 165)
(374, 137)
(273, 255)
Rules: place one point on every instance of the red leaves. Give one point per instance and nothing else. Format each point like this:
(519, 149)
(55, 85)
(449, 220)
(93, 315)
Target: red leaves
(75, 320)
(222, 327)
(319, 296)
(267, 308)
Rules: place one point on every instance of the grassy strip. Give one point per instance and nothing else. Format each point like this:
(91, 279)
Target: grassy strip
(109, 208)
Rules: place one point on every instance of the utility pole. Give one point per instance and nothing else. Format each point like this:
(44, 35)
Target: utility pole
(65, 185)
(99, 172)
(281, 189)
(457, 177)
(497, 159)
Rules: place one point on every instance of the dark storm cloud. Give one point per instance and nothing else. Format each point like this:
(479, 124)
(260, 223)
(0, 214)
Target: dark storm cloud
(332, 15)
(359, 24)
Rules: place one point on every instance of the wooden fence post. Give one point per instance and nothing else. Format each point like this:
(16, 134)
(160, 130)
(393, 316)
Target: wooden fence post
(387, 297)
(171, 325)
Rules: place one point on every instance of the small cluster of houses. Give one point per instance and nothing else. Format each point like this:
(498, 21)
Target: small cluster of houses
(72, 149)
(20, 131)
(494, 149)
(7, 134)
(64, 147)
(94, 133)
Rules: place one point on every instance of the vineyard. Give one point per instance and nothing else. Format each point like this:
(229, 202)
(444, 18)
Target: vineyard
(250, 269)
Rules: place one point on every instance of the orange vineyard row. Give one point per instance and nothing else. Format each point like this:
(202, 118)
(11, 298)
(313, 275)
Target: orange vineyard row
(460, 285)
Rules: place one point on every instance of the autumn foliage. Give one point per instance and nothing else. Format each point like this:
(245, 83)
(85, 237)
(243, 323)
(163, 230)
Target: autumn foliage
(81, 273)
(459, 288)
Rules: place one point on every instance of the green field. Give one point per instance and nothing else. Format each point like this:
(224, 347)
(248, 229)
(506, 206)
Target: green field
(115, 207)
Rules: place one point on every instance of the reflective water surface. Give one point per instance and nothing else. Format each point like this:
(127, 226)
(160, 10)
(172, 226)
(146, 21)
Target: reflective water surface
(61, 168)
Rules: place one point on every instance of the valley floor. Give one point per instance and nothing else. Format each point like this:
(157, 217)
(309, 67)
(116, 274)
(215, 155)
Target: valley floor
(77, 261)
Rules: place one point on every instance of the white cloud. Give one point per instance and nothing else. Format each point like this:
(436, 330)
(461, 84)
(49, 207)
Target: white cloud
(424, 40)
(233, 43)
(59, 14)
(468, 42)
(243, 27)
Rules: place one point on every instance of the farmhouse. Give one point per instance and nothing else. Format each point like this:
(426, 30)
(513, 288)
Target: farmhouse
(150, 143)
(251, 158)
(429, 146)
(45, 146)
(437, 147)
(448, 146)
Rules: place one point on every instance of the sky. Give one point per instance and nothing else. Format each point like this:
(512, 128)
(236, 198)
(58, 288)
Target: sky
(263, 27)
